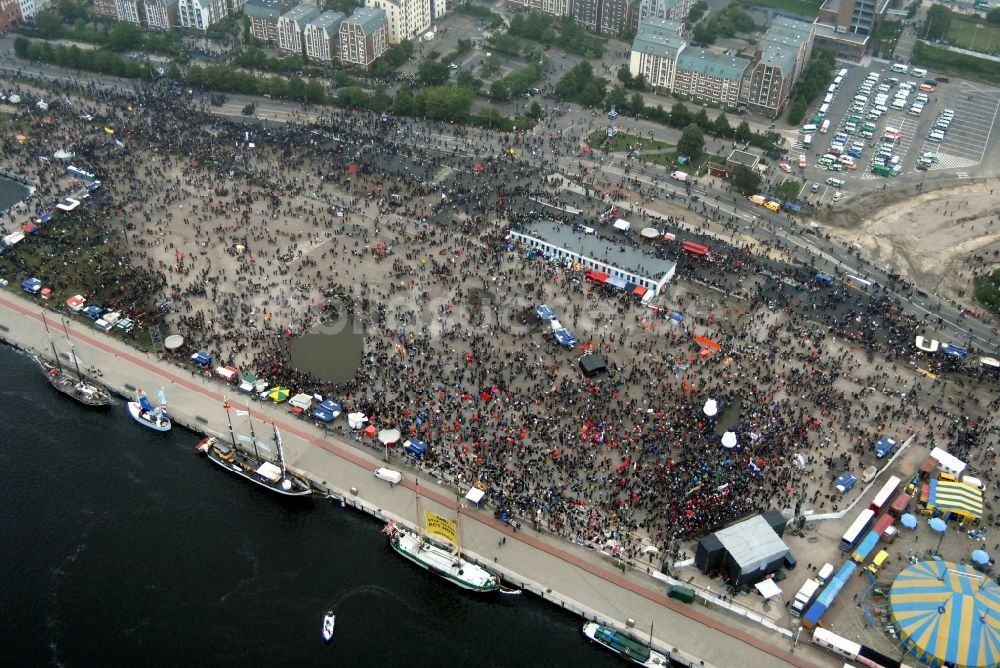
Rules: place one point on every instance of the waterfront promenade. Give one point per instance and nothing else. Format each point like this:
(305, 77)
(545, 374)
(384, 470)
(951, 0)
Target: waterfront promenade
(578, 578)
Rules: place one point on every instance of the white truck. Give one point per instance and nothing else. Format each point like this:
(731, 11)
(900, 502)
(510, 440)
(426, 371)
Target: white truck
(679, 176)
(804, 597)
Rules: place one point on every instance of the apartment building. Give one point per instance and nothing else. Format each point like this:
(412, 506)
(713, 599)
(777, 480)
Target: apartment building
(846, 26)
(264, 15)
(550, 7)
(710, 77)
(605, 17)
(291, 25)
(321, 35)
(10, 14)
(655, 51)
(364, 36)
(782, 54)
(637, 11)
(154, 14)
(201, 14)
(406, 18)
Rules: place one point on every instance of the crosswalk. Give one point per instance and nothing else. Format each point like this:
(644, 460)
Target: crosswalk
(947, 161)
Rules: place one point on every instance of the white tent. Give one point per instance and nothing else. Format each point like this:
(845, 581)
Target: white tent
(388, 436)
(301, 400)
(768, 589)
(928, 345)
(622, 225)
(711, 408)
(475, 495)
(729, 439)
(356, 420)
(649, 233)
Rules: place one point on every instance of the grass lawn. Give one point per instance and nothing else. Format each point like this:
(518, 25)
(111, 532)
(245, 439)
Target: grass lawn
(805, 8)
(621, 141)
(942, 61)
(987, 290)
(974, 33)
(669, 159)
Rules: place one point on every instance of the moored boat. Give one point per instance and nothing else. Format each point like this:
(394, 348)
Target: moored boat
(73, 386)
(446, 562)
(149, 416)
(624, 646)
(329, 622)
(253, 466)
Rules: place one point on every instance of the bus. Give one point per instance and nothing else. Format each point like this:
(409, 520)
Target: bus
(823, 129)
(885, 495)
(831, 641)
(856, 530)
(807, 141)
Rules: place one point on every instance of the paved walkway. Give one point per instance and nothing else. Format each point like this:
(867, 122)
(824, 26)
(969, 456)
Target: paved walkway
(579, 577)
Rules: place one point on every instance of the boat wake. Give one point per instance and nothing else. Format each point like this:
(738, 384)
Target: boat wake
(372, 590)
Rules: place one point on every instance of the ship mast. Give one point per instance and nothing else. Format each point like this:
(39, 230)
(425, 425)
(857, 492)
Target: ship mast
(651, 637)
(277, 444)
(55, 355)
(72, 350)
(458, 528)
(253, 436)
(232, 434)
(420, 525)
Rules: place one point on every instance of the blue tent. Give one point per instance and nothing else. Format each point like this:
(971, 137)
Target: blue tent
(202, 359)
(415, 447)
(46, 217)
(545, 312)
(327, 411)
(93, 312)
(31, 285)
(954, 351)
(564, 338)
(884, 446)
(676, 316)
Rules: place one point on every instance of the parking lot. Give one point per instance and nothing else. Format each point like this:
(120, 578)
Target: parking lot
(878, 128)
(965, 143)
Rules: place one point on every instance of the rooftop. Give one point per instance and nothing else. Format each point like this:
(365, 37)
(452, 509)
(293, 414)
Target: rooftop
(743, 158)
(300, 15)
(829, 32)
(751, 541)
(328, 19)
(659, 37)
(265, 9)
(713, 64)
(598, 248)
(369, 18)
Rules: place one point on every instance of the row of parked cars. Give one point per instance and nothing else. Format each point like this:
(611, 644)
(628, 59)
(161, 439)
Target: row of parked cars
(941, 125)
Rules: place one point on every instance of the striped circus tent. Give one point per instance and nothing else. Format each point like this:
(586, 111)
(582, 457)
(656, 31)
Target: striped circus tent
(947, 614)
(956, 497)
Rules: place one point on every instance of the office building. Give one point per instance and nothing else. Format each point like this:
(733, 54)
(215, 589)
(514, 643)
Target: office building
(846, 26)
(321, 35)
(364, 36)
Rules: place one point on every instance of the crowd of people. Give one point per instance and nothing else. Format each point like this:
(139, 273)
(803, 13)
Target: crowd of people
(242, 237)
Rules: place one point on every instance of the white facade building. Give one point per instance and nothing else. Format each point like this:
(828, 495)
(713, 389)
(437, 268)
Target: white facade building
(201, 14)
(407, 18)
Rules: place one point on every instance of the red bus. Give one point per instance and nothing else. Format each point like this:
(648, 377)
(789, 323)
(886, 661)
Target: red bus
(885, 495)
(694, 249)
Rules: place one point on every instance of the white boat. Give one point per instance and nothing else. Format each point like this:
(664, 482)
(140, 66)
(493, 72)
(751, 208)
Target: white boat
(446, 562)
(329, 620)
(147, 415)
(624, 646)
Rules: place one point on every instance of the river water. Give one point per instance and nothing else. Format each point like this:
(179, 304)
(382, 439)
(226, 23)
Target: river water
(121, 546)
(11, 192)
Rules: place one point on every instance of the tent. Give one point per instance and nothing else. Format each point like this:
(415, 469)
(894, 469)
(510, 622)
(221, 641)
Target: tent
(753, 550)
(545, 312)
(301, 400)
(226, 373)
(956, 497)
(172, 342)
(68, 204)
(768, 589)
(927, 345)
(621, 225)
(75, 303)
(31, 285)
(356, 420)
(327, 411)
(46, 293)
(247, 384)
(709, 554)
(592, 365)
(954, 351)
(45, 217)
(946, 613)
(93, 311)
(475, 496)
(414, 447)
(388, 436)
(564, 338)
(649, 233)
(14, 237)
(202, 359)
(279, 394)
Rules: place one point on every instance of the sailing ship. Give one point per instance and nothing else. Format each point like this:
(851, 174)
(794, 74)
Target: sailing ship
(445, 562)
(74, 387)
(624, 646)
(152, 417)
(329, 622)
(252, 466)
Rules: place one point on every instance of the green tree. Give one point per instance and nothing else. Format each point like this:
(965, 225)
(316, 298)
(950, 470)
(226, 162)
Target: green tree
(721, 126)
(490, 66)
(743, 132)
(639, 82)
(535, 111)
(993, 16)
(636, 104)
(124, 36)
(72, 11)
(789, 189)
(704, 33)
(380, 100)
(466, 79)
(352, 96)
(404, 104)
(21, 46)
(499, 91)
(296, 88)
(679, 115)
(745, 180)
(702, 120)
(625, 76)
(797, 111)
(938, 22)
(692, 142)
(617, 98)
(432, 73)
(592, 94)
(314, 93)
(48, 25)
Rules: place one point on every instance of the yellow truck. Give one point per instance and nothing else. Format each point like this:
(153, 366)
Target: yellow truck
(773, 205)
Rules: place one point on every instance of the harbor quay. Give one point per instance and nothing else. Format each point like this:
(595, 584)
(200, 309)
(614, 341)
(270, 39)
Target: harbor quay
(574, 577)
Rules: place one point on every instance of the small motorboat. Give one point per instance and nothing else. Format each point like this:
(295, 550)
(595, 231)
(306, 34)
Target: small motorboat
(147, 415)
(508, 590)
(328, 623)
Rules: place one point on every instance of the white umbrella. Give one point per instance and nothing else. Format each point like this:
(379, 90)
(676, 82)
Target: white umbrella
(387, 436)
(711, 408)
(729, 439)
(356, 420)
(800, 461)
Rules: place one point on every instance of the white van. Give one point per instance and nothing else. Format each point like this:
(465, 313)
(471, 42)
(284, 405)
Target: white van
(935, 136)
(828, 99)
(974, 482)
(836, 183)
(808, 129)
(918, 72)
(899, 67)
(824, 108)
(390, 476)
(824, 573)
